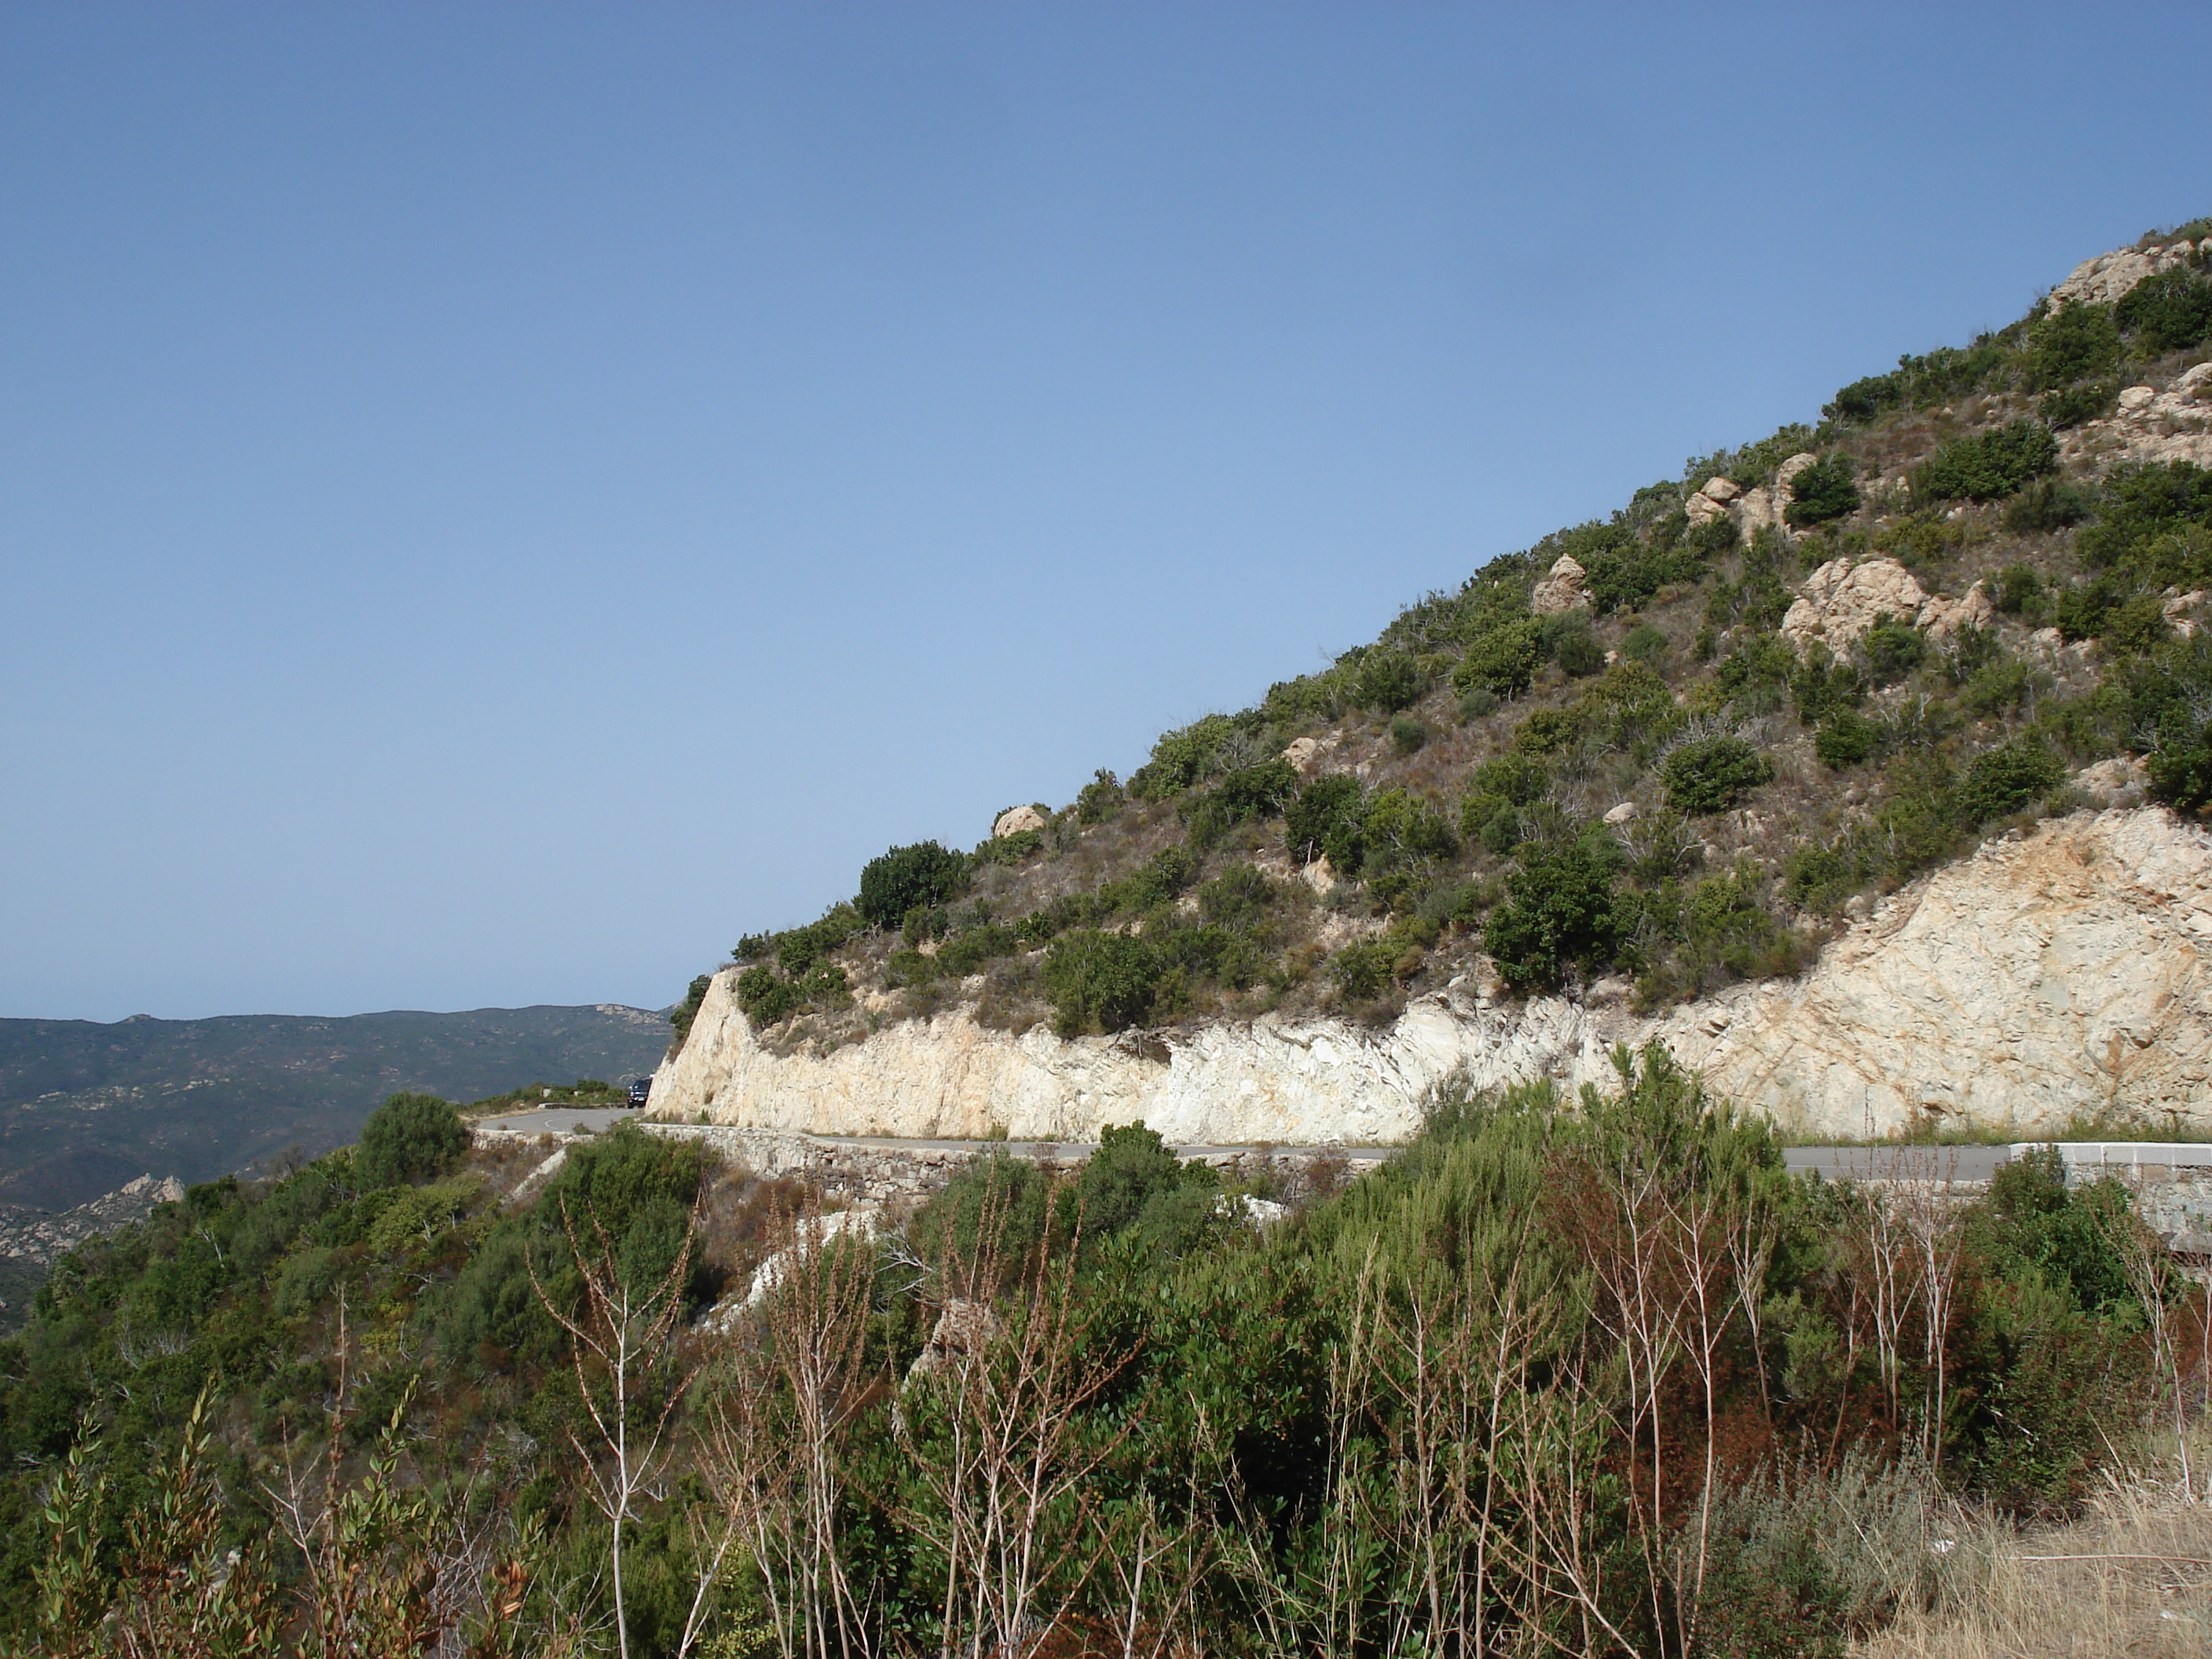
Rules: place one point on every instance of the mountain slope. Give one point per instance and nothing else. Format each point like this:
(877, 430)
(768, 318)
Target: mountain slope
(1649, 758)
(85, 1107)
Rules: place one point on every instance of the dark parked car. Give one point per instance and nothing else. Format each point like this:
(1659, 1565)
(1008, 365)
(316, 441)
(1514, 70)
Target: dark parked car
(639, 1091)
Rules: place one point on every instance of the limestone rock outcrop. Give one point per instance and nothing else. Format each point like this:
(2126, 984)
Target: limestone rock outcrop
(1841, 600)
(2153, 426)
(1016, 819)
(2069, 972)
(2100, 281)
(1561, 590)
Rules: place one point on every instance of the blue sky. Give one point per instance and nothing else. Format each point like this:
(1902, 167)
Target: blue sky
(497, 500)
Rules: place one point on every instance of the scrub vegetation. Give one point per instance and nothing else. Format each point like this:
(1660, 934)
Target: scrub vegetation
(1451, 799)
(1595, 1376)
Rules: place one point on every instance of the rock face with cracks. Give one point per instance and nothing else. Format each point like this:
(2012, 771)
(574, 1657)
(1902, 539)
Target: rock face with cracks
(2070, 972)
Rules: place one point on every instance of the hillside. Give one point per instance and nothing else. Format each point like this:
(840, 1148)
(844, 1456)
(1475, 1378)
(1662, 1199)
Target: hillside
(1652, 757)
(85, 1108)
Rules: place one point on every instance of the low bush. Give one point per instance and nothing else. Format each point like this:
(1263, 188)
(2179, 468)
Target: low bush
(1328, 818)
(1989, 466)
(1408, 734)
(2046, 505)
(923, 874)
(1097, 980)
(1713, 774)
(2170, 311)
(2074, 341)
(1558, 914)
(411, 1137)
(1824, 491)
(2001, 782)
(1845, 739)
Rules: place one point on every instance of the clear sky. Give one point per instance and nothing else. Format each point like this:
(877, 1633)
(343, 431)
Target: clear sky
(497, 500)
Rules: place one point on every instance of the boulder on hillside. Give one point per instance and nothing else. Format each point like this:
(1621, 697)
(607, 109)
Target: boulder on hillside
(1561, 590)
(1758, 509)
(1710, 500)
(2153, 426)
(1305, 756)
(1017, 819)
(1841, 600)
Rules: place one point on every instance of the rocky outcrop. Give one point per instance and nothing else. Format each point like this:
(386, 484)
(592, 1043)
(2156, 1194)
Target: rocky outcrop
(1711, 499)
(2102, 280)
(2153, 426)
(1016, 819)
(1841, 600)
(37, 1237)
(1289, 1082)
(2066, 972)
(1561, 590)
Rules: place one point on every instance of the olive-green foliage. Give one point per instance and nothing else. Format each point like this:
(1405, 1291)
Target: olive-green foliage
(2046, 505)
(1097, 980)
(1827, 490)
(1846, 737)
(2002, 781)
(923, 874)
(1922, 382)
(1712, 773)
(1099, 801)
(1560, 915)
(1718, 932)
(2074, 341)
(1503, 660)
(1328, 818)
(2075, 406)
(1133, 1181)
(993, 1213)
(1408, 734)
(409, 1138)
(2153, 523)
(1244, 793)
(1386, 681)
(1987, 466)
(685, 1011)
(1891, 649)
(2170, 311)
(1180, 758)
(766, 996)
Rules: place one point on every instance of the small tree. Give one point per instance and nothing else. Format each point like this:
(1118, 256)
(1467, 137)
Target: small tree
(908, 878)
(1823, 491)
(409, 1138)
(1109, 980)
(1713, 774)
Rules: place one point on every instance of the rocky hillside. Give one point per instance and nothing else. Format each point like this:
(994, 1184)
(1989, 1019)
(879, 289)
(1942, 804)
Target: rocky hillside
(86, 1106)
(1716, 768)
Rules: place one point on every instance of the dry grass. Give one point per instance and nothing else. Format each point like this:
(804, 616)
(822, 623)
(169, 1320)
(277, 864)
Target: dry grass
(2132, 1576)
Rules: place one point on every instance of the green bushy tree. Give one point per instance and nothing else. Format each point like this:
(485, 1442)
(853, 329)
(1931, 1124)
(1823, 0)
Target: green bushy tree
(1823, 491)
(1713, 774)
(906, 877)
(1987, 466)
(2170, 311)
(1559, 913)
(409, 1138)
(1100, 981)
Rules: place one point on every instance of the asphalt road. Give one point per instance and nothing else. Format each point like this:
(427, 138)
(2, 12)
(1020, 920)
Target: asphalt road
(560, 1120)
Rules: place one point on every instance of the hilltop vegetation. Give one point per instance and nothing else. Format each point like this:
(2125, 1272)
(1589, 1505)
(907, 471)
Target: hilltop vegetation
(1649, 782)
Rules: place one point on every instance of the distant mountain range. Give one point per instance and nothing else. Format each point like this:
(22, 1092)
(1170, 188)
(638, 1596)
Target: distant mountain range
(85, 1108)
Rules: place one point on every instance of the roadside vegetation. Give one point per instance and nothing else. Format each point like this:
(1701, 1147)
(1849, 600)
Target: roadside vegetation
(1594, 1375)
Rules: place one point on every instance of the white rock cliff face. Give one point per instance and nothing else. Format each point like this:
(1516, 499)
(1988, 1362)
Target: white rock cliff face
(2068, 972)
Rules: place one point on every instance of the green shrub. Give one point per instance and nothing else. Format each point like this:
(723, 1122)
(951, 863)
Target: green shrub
(1996, 687)
(1133, 1175)
(1987, 467)
(2018, 592)
(971, 950)
(2047, 504)
(409, 1138)
(1921, 382)
(1575, 649)
(2154, 522)
(1363, 970)
(922, 874)
(1408, 734)
(1386, 681)
(1180, 758)
(2075, 342)
(1099, 800)
(2002, 781)
(1819, 877)
(1240, 898)
(1504, 659)
(766, 996)
(1102, 982)
(1891, 649)
(1644, 643)
(1476, 705)
(1826, 490)
(1713, 774)
(1846, 739)
(1328, 818)
(2170, 311)
(685, 1011)
(2077, 405)
(1559, 913)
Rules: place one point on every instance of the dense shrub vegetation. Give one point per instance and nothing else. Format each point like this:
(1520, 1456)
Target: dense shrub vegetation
(1559, 1367)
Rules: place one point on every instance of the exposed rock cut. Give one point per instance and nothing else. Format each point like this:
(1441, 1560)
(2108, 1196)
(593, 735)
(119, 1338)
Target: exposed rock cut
(2066, 972)
(1561, 590)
